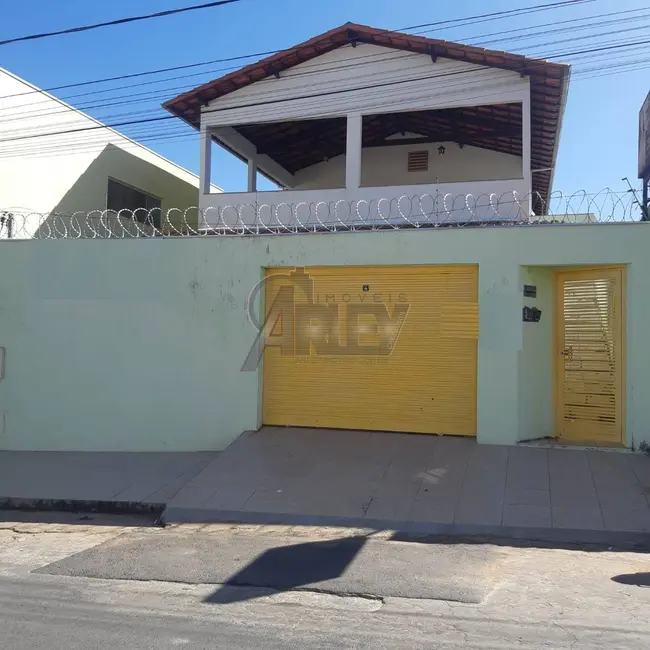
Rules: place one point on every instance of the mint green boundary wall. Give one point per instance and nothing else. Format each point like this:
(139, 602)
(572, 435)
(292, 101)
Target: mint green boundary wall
(137, 344)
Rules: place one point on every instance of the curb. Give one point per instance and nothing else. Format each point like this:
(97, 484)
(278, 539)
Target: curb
(82, 505)
(425, 532)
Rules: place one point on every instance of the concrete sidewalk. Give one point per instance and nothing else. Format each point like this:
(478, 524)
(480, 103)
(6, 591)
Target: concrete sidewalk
(419, 483)
(39, 478)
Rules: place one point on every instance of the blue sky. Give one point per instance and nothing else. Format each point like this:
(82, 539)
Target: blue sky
(599, 139)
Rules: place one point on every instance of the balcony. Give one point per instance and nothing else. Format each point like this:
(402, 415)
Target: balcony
(466, 164)
(396, 206)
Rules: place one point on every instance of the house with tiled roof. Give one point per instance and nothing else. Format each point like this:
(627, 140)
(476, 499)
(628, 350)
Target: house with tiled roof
(368, 124)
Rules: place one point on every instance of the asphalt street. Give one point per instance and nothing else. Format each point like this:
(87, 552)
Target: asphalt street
(529, 598)
(61, 615)
(350, 563)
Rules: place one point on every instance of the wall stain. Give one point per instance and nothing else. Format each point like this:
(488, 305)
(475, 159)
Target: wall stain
(227, 297)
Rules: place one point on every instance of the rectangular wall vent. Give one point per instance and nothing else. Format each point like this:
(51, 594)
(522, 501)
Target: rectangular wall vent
(418, 161)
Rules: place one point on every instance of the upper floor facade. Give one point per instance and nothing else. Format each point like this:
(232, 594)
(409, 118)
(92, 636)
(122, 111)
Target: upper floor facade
(360, 124)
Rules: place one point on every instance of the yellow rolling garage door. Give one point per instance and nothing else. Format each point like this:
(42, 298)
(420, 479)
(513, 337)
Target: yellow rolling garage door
(391, 348)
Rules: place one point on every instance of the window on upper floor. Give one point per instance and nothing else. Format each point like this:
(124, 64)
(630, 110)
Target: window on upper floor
(145, 207)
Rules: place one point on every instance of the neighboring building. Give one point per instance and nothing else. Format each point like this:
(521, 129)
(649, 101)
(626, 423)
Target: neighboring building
(84, 168)
(357, 115)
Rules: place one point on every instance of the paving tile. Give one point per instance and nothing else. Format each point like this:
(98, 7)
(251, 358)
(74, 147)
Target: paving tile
(614, 495)
(343, 505)
(455, 446)
(528, 468)
(435, 510)
(486, 483)
(422, 478)
(191, 497)
(441, 481)
(388, 444)
(574, 496)
(588, 518)
(527, 497)
(266, 500)
(532, 480)
(448, 463)
(491, 459)
(564, 462)
(527, 456)
(163, 494)
(616, 518)
(640, 464)
(572, 483)
(615, 481)
(479, 511)
(368, 470)
(340, 501)
(102, 476)
(398, 488)
(394, 504)
(529, 516)
(218, 475)
(611, 465)
(231, 496)
(414, 450)
(482, 492)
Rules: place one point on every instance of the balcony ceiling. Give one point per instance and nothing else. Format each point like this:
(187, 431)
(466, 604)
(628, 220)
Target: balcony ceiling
(296, 145)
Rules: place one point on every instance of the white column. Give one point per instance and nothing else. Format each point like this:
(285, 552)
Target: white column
(353, 152)
(525, 143)
(205, 165)
(252, 173)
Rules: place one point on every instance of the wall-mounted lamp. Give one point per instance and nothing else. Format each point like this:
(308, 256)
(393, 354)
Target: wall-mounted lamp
(441, 150)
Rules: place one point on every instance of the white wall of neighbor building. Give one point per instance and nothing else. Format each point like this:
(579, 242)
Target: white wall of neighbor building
(89, 191)
(367, 78)
(68, 172)
(388, 166)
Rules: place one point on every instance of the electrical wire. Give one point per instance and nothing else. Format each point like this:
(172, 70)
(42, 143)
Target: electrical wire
(509, 34)
(638, 44)
(105, 102)
(175, 88)
(136, 112)
(131, 98)
(119, 21)
(338, 91)
(163, 135)
(129, 146)
(498, 15)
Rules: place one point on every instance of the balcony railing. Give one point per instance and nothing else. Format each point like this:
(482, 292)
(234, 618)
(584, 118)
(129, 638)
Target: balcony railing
(367, 207)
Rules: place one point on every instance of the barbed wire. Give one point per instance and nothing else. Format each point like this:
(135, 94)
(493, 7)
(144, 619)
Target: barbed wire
(274, 216)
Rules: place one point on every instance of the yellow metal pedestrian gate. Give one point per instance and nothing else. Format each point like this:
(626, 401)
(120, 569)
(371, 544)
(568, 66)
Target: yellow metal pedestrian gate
(589, 342)
(390, 348)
